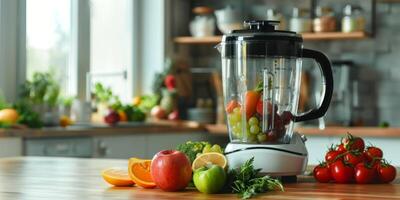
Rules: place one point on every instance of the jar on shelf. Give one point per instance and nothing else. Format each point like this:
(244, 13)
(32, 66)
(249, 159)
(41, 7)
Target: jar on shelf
(300, 21)
(274, 15)
(325, 20)
(353, 19)
(203, 24)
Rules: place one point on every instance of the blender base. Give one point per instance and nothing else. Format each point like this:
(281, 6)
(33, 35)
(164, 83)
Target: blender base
(273, 159)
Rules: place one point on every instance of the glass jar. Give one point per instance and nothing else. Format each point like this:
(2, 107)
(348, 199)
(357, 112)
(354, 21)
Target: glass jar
(325, 20)
(300, 21)
(203, 24)
(353, 19)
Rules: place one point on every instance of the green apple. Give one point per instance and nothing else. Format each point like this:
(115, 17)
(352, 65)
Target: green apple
(209, 179)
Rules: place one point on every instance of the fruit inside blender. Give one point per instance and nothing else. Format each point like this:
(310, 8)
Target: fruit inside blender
(261, 114)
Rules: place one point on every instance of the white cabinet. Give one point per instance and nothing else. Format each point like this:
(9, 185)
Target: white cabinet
(10, 146)
(120, 146)
(145, 145)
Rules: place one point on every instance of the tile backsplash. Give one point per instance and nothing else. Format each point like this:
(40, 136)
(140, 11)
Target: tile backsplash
(377, 66)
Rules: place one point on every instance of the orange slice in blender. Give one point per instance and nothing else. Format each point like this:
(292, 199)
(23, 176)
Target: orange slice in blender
(117, 176)
(139, 171)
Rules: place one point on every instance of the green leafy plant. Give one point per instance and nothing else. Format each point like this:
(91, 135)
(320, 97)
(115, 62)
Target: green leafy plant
(104, 94)
(246, 181)
(3, 102)
(43, 88)
(27, 116)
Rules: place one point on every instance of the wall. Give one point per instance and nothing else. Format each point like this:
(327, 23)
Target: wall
(377, 66)
(8, 48)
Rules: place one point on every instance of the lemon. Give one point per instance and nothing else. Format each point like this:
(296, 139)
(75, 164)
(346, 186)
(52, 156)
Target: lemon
(210, 158)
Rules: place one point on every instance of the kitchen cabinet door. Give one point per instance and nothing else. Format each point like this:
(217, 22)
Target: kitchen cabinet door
(10, 146)
(120, 146)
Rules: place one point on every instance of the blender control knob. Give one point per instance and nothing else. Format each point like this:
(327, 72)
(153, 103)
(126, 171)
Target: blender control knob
(261, 25)
(303, 138)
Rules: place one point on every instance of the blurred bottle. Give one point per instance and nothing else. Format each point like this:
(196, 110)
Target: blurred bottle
(353, 19)
(300, 21)
(325, 20)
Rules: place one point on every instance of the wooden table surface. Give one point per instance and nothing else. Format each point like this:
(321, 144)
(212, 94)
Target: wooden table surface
(73, 178)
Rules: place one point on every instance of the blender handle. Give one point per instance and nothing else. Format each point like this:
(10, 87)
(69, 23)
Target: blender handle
(327, 82)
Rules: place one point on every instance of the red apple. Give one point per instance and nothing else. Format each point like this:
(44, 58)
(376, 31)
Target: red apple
(112, 117)
(158, 112)
(171, 170)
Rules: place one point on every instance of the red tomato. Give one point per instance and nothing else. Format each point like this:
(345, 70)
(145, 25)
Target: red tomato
(331, 156)
(322, 173)
(353, 143)
(341, 148)
(353, 158)
(341, 172)
(386, 172)
(373, 152)
(365, 174)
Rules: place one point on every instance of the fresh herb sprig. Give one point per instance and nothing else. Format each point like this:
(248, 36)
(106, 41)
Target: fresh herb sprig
(246, 181)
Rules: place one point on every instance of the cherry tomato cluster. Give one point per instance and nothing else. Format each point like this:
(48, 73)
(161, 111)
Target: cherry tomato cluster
(352, 162)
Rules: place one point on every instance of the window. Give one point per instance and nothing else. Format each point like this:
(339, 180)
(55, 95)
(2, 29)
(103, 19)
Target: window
(48, 39)
(111, 45)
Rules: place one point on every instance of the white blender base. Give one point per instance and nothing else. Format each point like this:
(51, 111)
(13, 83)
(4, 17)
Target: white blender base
(273, 159)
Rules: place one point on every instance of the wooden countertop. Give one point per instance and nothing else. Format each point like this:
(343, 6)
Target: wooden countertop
(102, 129)
(74, 178)
(165, 126)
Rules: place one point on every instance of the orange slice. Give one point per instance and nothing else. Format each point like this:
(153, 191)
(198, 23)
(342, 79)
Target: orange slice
(117, 177)
(139, 171)
(209, 158)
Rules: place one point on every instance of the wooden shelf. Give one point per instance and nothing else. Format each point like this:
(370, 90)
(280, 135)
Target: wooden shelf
(328, 131)
(306, 36)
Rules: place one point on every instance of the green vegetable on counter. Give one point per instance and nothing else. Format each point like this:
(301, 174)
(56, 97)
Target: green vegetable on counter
(42, 89)
(191, 149)
(27, 116)
(246, 181)
(133, 113)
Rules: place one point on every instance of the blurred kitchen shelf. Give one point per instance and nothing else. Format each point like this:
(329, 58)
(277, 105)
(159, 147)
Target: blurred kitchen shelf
(306, 36)
(328, 131)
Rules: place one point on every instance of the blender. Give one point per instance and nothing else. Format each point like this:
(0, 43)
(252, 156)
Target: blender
(261, 69)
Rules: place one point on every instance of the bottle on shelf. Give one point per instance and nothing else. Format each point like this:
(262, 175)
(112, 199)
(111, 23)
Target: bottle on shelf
(300, 21)
(325, 20)
(353, 19)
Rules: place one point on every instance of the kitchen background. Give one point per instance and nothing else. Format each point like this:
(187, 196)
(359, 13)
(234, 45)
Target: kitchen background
(124, 44)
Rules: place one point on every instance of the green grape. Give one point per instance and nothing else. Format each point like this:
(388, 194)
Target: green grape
(252, 138)
(216, 148)
(254, 129)
(236, 110)
(207, 148)
(262, 137)
(234, 118)
(253, 121)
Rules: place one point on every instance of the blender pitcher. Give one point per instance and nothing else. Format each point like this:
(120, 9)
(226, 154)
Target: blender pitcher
(261, 70)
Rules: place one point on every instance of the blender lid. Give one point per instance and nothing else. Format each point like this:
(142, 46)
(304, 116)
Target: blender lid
(259, 30)
(262, 39)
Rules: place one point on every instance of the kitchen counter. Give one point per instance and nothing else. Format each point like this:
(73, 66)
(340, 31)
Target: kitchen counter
(165, 126)
(103, 129)
(72, 178)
